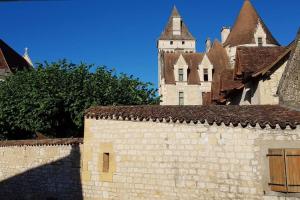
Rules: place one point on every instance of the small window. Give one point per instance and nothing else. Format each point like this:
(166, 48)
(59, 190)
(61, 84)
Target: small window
(205, 74)
(180, 74)
(171, 42)
(259, 41)
(105, 167)
(183, 42)
(181, 98)
(284, 165)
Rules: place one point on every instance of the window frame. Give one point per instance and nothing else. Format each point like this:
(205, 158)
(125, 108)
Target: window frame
(181, 98)
(205, 75)
(260, 42)
(180, 75)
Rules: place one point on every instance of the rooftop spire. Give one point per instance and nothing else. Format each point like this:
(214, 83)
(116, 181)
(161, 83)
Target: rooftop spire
(168, 33)
(175, 12)
(26, 57)
(245, 27)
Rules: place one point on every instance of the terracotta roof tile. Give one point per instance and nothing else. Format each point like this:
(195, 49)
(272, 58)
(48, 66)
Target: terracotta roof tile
(192, 60)
(219, 59)
(252, 59)
(167, 34)
(228, 82)
(46, 142)
(243, 115)
(245, 27)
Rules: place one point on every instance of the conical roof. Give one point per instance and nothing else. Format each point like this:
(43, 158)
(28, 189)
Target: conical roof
(167, 34)
(10, 60)
(245, 27)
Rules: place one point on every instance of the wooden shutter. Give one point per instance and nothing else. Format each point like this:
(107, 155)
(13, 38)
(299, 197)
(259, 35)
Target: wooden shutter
(292, 159)
(277, 170)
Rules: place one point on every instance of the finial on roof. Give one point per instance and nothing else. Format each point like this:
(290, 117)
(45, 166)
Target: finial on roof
(26, 51)
(175, 12)
(26, 56)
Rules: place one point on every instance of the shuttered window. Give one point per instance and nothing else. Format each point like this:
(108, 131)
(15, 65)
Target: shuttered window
(284, 167)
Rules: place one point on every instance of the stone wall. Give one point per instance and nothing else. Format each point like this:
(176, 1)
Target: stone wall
(43, 171)
(289, 87)
(169, 161)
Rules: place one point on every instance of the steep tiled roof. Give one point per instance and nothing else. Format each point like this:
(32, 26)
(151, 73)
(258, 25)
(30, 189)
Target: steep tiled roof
(10, 60)
(44, 142)
(244, 115)
(228, 82)
(252, 59)
(192, 60)
(220, 61)
(167, 34)
(245, 27)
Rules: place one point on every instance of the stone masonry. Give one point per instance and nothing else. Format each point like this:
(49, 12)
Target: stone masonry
(40, 172)
(173, 161)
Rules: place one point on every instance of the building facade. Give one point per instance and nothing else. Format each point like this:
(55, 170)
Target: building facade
(228, 71)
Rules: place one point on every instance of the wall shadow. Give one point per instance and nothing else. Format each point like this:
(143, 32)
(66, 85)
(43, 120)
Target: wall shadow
(58, 180)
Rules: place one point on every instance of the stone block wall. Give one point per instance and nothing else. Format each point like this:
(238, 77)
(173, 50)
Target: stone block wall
(170, 161)
(40, 171)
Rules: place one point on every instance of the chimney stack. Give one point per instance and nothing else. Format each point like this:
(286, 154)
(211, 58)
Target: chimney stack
(208, 44)
(224, 33)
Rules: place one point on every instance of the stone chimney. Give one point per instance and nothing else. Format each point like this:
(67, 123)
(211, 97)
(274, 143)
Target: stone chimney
(208, 44)
(224, 33)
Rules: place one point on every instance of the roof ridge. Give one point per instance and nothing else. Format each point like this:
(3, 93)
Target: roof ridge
(246, 25)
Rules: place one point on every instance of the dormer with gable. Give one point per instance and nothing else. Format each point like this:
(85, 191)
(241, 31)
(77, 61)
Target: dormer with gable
(248, 30)
(205, 71)
(181, 70)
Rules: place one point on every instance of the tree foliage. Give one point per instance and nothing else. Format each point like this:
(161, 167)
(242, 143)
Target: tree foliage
(52, 98)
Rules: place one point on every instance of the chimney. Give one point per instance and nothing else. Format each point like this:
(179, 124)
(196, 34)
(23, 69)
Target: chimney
(208, 44)
(224, 33)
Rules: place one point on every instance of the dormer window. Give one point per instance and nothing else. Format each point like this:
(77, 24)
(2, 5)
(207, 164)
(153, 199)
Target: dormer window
(180, 74)
(260, 41)
(205, 74)
(171, 42)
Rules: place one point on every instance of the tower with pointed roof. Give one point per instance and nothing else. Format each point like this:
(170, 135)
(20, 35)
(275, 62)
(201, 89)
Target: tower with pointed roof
(243, 69)
(248, 30)
(180, 68)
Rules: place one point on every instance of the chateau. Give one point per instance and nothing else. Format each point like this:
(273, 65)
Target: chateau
(245, 68)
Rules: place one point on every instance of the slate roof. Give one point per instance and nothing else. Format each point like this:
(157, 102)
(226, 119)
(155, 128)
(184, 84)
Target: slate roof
(10, 60)
(245, 27)
(46, 142)
(192, 60)
(235, 115)
(167, 34)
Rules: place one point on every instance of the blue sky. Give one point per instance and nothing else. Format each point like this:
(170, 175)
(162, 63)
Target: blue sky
(122, 34)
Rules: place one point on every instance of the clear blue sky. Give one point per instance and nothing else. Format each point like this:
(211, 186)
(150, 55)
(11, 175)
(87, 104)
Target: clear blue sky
(122, 33)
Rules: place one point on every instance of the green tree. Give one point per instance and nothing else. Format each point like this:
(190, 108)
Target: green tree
(52, 98)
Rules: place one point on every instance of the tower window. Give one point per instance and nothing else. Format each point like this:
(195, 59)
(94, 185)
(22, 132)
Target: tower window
(171, 42)
(183, 42)
(181, 98)
(180, 74)
(259, 41)
(205, 74)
